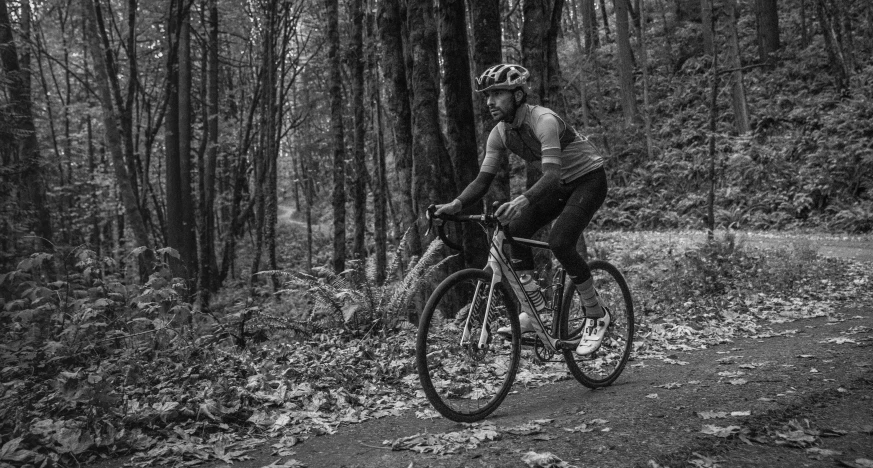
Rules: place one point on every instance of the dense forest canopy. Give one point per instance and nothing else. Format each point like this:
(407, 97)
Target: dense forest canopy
(197, 125)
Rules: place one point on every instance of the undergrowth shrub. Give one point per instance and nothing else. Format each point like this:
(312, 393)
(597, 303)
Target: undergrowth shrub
(714, 275)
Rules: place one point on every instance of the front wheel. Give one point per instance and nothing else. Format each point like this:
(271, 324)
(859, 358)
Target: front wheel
(464, 381)
(602, 367)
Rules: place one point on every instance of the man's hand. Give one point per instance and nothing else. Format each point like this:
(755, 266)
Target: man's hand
(449, 208)
(509, 211)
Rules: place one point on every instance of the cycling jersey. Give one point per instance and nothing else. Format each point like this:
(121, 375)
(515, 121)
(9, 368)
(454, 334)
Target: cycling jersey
(538, 136)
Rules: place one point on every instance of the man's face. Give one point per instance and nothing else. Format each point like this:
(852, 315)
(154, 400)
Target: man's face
(501, 104)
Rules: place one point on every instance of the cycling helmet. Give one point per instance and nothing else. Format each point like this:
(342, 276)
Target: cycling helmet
(502, 76)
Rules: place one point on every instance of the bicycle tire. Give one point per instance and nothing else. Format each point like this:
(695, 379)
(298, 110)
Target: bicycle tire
(462, 382)
(602, 367)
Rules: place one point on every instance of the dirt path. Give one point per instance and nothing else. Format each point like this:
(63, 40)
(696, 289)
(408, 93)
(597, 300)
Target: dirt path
(821, 372)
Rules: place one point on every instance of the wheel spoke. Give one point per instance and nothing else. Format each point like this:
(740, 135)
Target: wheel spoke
(462, 381)
(604, 365)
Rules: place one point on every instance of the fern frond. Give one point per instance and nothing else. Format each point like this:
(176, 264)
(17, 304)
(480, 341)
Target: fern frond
(418, 274)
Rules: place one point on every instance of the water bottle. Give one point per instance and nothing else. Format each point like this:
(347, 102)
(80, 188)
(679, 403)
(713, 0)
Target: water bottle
(532, 289)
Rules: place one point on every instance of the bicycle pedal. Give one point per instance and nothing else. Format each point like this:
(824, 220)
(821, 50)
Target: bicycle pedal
(528, 340)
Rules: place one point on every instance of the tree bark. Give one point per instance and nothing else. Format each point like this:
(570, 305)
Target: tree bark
(434, 178)
(460, 119)
(830, 29)
(707, 27)
(336, 120)
(644, 64)
(26, 155)
(625, 64)
(605, 19)
(542, 23)
(487, 51)
(768, 28)
(380, 192)
(687, 10)
(589, 24)
(172, 161)
(390, 21)
(207, 274)
(110, 124)
(738, 90)
(359, 198)
(188, 247)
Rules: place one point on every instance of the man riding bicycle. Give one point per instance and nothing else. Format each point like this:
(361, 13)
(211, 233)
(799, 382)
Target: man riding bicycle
(571, 189)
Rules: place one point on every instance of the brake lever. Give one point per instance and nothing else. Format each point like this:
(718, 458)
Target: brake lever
(429, 214)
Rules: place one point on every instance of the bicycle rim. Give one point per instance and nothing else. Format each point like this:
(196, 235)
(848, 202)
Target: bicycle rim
(461, 381)
(602, 367)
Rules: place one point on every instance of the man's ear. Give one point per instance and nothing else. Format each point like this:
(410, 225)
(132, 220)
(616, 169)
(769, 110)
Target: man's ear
(518, 95)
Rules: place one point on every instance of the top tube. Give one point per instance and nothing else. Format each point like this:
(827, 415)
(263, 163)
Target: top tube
(488, 220)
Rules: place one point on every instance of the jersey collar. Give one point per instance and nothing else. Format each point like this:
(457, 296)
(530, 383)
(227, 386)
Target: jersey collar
(520, 116)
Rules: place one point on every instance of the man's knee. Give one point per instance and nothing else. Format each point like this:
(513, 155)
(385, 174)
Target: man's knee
(562, 246)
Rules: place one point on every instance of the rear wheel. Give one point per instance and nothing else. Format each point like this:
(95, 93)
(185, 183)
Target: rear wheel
(462, 381)
(602, 367)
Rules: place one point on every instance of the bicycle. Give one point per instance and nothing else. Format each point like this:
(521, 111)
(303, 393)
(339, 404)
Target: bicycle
(466, 369)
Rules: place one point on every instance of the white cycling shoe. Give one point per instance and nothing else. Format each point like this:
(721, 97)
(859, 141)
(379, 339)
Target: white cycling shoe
(592, 334)
(527, 323)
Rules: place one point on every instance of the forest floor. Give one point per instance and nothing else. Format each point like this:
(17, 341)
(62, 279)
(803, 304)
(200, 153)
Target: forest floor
(796, 393)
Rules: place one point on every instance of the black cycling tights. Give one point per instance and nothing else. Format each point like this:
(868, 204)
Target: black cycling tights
(574, 205)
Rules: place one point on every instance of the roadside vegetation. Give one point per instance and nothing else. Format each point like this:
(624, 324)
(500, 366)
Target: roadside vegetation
(95, 365)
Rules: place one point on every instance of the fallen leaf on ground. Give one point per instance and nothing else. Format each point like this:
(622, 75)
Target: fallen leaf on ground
(544, 460)
(723, 432)
(819, 452)
(582, 428)
(858, 463)
(286, 464)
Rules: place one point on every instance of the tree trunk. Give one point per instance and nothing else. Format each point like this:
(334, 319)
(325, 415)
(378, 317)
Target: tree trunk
(188, 249)
(380, 191)
(434, 180)
(390, 20)
(207, 197)
(336, 119)
(738, 90)
(584, 54)
(110, 124)
(707, 27)
(487, 51)
(589, 24)
(644, 64)
(830, 29)
(687, 10)
(605, 19)
(172, 165)
(542, 22)
(768, 28)
(460, 119)
(625, 64)
(359, 198)
(27, 156)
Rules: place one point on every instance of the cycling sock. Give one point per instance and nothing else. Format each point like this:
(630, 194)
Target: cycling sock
(589, 299)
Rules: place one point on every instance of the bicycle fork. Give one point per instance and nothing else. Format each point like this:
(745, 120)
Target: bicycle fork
(475, 308)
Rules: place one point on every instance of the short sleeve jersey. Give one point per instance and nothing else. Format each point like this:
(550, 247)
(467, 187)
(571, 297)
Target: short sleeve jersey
(539, 136)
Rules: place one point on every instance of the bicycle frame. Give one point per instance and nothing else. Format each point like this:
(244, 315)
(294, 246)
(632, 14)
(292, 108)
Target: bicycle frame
(501, 268)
